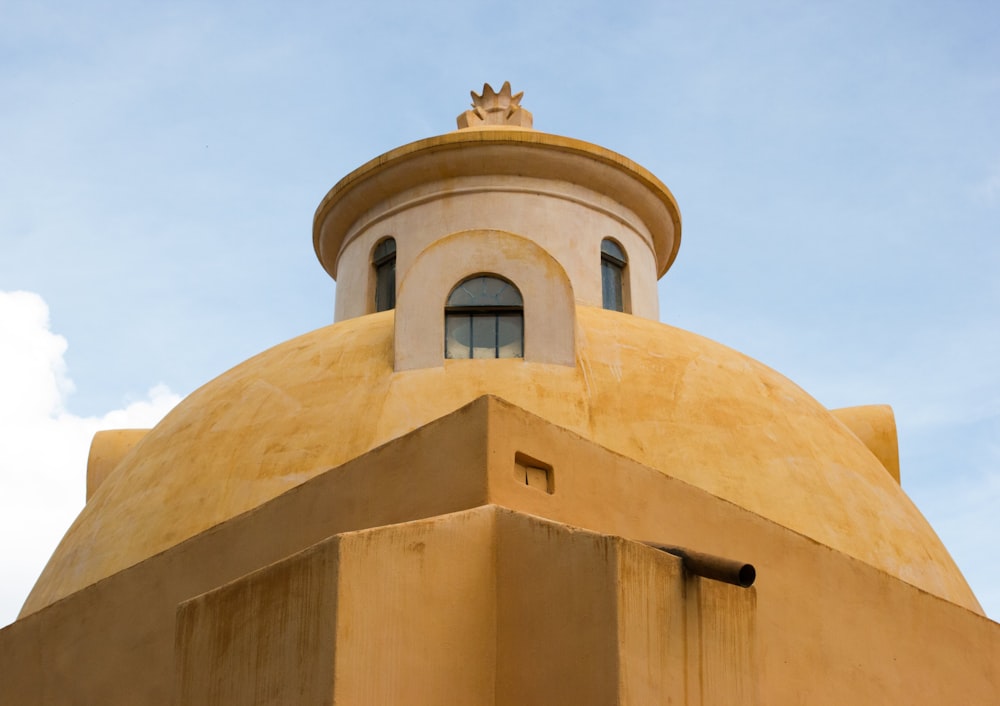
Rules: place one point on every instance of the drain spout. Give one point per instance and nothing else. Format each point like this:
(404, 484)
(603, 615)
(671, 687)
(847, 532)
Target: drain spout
(713, 567)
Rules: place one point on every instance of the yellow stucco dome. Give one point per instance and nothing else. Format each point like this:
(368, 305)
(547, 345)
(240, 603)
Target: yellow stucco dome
(669, 399)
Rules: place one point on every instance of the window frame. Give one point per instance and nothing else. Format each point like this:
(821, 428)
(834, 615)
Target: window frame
(614, 260)
(483, 312)
(384, 266)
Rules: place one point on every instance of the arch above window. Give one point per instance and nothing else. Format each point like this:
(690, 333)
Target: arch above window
(484, 318)
(613, 262)
(485, 291)
(549, 313)
(384, 262)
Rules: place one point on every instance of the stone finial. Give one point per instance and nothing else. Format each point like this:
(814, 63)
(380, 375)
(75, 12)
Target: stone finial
(492, 108)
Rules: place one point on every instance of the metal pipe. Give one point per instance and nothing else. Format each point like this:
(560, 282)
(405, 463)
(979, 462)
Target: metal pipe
(713, 567)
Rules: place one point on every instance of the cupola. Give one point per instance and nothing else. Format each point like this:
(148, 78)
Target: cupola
(559, 221)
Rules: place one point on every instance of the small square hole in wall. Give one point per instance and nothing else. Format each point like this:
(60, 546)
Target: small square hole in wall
(534, 473)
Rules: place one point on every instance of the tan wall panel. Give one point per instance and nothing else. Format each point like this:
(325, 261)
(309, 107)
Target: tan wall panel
(110, 644)
(268, 639)
(397, 615)
(556, 605)
(417, 620)
(724, 617)
(652, 634)
(23, 659)
(831, 629)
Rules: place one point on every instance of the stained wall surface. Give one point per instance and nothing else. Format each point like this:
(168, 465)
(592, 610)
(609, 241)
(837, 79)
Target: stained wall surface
(481, 607)
(671, 400)
(567, 221)
(819, 627)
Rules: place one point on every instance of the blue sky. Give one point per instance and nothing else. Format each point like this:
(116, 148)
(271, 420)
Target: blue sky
(837, 166)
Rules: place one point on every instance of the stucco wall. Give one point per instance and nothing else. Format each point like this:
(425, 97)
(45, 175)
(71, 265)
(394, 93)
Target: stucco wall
(681, 404)
(549, 312)
(568, 222)
(823, 628)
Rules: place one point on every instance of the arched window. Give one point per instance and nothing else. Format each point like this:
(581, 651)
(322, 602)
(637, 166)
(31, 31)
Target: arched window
(613, 263)
(484, 318)
(384, 262)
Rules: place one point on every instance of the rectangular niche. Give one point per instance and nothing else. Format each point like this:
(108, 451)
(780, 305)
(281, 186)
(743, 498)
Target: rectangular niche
(534, 473)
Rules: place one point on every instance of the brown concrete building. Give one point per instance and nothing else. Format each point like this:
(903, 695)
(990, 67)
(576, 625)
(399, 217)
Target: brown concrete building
(498, 479)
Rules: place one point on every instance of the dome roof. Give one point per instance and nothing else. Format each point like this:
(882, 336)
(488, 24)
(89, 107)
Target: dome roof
(669, 399)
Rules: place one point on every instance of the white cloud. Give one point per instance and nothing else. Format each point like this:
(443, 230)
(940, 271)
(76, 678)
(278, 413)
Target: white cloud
(43, 447)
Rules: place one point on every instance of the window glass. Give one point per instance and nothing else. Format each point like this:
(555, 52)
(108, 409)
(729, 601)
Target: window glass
(611, 249)
(484, 336)
(485, 291)
(384, 261)
(484, 318)
(457, 335)
(611, 286)
(510, 336)
(612, 276)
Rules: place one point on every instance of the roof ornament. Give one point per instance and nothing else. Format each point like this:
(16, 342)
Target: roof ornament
(492, 108)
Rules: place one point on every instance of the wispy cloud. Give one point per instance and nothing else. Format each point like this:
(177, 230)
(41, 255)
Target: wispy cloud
(43, 446)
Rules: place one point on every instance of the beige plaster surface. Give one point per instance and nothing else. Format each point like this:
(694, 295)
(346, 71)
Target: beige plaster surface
(106, 450)
(266, 639)
(818, 628)
(875, 425)
(674, 401)
(429, 168)
(566, 220)
(112, 643)
(549, 311)
(403, 614)
(485, 606)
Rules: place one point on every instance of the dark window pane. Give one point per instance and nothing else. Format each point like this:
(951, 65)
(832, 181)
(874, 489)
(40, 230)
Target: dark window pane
(611, 286)
(461, 296)
(510, 335)
(484, 336)
(384, 261)
(504, 294)
(384, 250)
(611, 249)
(485, 291)
(385, 285)
(457, 328)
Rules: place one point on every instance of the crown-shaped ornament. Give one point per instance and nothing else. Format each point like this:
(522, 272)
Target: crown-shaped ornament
(495, 108)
